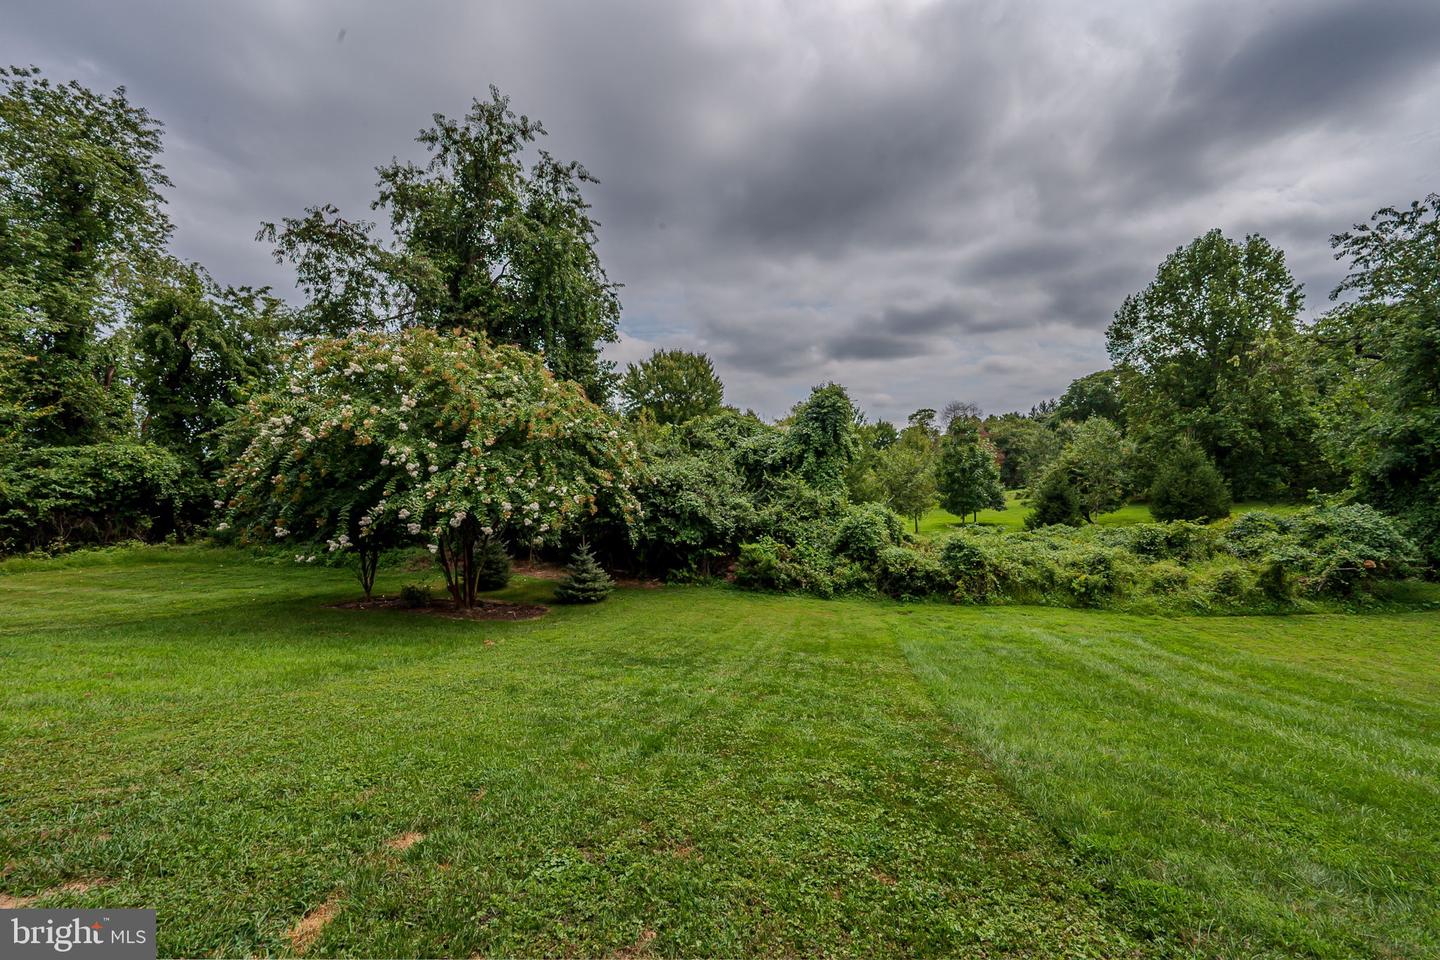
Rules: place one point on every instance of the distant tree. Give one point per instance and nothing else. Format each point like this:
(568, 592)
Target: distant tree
(672, 386)
(1383, 411)
(1093, 395)
(883, 434)
(1209, 346)
(481, 243)
(1188, 487)
(1026, 448)
(906, 475)
(924, 418)
(961, 410)
(1096, 461)
(1054, 501)
(966, 474)
(822, 438)
(81, 222)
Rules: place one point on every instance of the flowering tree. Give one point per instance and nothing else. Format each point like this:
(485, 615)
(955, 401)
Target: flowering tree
(376, 440)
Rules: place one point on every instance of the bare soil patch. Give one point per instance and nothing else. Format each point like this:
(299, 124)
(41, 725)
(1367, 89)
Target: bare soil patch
(483, 610)
(8, 902)
(308, 930)
(404, 841)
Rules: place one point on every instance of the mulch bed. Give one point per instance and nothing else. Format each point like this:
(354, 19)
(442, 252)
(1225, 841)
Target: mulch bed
(483, 610)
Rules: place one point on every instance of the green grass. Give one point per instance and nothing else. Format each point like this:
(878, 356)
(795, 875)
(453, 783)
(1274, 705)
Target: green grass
(939, 521)
(700, 771)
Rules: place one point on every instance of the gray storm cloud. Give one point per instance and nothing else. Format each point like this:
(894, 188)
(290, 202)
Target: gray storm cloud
(920, 200)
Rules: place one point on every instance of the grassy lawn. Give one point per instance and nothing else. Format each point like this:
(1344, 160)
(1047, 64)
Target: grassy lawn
(939, 521)
(705, 771)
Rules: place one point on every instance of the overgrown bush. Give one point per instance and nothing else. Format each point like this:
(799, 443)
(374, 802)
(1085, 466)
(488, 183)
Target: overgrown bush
(865, 531)
(415, 595)
(911, 574)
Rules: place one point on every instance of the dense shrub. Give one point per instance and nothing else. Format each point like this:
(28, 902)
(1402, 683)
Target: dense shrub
(1331, 551)
(865, 531)
(768, 564)
(1166, 578)
(1095, 574)
(94, 494)
(415, 595)
(1187, 486)
(910, 574)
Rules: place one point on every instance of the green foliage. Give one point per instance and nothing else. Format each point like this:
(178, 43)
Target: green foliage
(822, 440)
(1093, 395)
(415, 595)
(56, 497)
(966, 474)
(80, 221)
(481, 243)
(905, 475)
(1337, 551)
(585, 580)
(1383, 413)
(1026, 447)
(381, 439)
(1097, 461)
(1188, 487)
(493, 564)
(909, 573)
(1055, 500)
(866, 530)
(1209, 350)
(672, 386)
(196, 350)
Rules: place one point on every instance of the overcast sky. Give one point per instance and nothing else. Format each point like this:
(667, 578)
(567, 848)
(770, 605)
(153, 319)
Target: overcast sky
(924, 201)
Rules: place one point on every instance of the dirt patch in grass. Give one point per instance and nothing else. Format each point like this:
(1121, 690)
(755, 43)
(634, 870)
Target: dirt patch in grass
(639, 947)
(308, 930)
(8, 902)
(483, 610)
(404, 841)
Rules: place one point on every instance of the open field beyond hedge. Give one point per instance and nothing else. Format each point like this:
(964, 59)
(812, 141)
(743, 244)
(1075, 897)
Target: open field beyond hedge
(707, 771)
(939, 522)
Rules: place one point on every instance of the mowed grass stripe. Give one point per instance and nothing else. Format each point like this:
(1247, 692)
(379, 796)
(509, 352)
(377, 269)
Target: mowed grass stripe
(1211, 777)
(683, 771)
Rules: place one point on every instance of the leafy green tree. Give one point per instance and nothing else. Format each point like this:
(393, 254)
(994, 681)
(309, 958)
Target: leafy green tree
(379, 439)
(1383, 422)
(882, 434)
(585, 580)
(1055, 500)
(81, 220)
(481, 242)
(1096, 460)
(1208, 349)
(196, 350)
(1026, 447)
(924, 418)
(966, 474)
(822, 439)
(1188, 487)
(1093, 395)
(672, 386)
(905, 472)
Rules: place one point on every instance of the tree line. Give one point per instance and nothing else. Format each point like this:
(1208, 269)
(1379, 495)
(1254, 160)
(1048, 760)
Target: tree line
(135, 389)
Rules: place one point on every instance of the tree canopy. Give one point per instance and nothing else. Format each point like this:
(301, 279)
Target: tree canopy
(671, 386)
(481, 242)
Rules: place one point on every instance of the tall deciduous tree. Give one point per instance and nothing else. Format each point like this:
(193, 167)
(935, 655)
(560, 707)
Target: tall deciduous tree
(1211, 343)
(672, 386)
(1383, 421)
(905, 474)
(482, 242)
(1096, 461)
(966, 474)
(81, 219)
